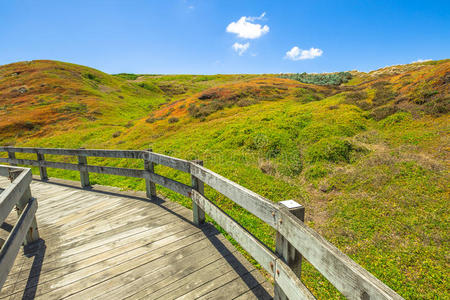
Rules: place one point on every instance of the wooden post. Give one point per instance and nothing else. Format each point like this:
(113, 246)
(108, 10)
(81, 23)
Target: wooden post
(198, 185)
(84, 174)
(150, 186)
(42, 170)
(285, 250)
(12, 155)
(33, 233)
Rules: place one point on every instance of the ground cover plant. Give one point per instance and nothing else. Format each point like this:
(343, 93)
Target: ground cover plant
(367, 157)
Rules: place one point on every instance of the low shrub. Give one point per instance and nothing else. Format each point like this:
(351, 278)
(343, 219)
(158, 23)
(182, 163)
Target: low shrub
(149, 86)
(396, 118)
(316, 171)
(127, 76)
(93, 77)
(330, 149)
(173, 120)
(383, 112)
(306, 95)
(320, 79)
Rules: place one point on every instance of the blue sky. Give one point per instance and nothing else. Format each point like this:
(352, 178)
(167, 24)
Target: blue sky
(197, 36)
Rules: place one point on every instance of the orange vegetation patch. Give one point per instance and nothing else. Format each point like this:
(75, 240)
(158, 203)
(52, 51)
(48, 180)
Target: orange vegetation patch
(241, 93)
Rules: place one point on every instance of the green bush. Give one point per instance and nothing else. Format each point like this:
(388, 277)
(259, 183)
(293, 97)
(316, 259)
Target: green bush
(127, 76)
(149, 87)
(330, 149)
(396, 118)
(93, 77)
(316, 171)
(320, 79)
(306, 95)
(383, 112)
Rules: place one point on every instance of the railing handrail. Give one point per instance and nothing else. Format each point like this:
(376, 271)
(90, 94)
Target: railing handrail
(347, 276)
(25, 230)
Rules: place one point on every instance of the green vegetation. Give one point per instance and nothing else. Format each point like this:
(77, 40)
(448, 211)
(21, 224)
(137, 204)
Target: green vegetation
(366, 160)
(320, 79)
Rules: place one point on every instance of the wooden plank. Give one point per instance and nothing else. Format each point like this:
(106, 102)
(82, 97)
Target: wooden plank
(250, 243)
(198, 214)
(13, 193)
(261, 292)
(290, 285)
(84, 173)
(285, 250)
(94, 250)
(171, 184)
(161, 180)
(172, 162)
(11, 155)
(177, 286)
(160, 159)
(70, 273)
(254, 203)
(346, 275)
(42, 170)
(87, 277)
(168, 268)
(150, 185)
(235, 287)
(15, 239)
(138, 154)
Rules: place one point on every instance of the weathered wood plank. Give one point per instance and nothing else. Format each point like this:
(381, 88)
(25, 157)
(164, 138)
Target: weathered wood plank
(150, 187)
(70, 274)
(346, 275)
(15, 239)
(42, 170)
(161, 159)
(285, 250)
(109, 249)
(254, 203)
(251, 244)
(149, 274)
(138, 154)
(198, 214)
(87, 277)
(13, 193)
(172, 162)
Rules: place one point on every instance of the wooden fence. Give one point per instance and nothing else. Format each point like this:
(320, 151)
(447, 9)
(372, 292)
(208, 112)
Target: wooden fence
(294, 239)
(17, 194)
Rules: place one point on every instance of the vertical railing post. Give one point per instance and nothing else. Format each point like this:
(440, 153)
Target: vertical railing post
(150, 186)
(33, 233)
(12, 155)
(199, 186)
(285, 250)
(42, 169)
(84, 174)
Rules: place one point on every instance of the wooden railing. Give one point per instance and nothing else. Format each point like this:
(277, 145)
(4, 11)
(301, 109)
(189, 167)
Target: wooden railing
(17, 194)
(294, 239)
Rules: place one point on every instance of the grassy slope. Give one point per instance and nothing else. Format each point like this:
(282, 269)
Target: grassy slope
(367, 159)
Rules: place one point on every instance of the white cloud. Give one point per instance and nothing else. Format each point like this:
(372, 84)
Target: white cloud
(420, 60)
(240, 48)
(246, 29)
(298, 54)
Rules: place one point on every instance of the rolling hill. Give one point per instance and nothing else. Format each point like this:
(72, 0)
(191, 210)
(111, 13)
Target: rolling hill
(367, 155)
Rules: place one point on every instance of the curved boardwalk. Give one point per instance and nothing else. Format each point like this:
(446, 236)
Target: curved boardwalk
(107, 244)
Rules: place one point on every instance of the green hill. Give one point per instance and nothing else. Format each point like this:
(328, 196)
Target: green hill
(366, 154)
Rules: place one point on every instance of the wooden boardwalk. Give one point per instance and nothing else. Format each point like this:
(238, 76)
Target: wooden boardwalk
(107, 244)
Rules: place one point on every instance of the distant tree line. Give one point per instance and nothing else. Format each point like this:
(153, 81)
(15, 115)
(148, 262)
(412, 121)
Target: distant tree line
(320, 79)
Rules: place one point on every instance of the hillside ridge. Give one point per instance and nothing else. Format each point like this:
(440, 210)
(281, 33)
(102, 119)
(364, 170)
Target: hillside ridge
(368, 158)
